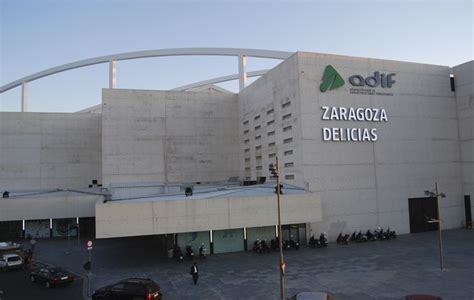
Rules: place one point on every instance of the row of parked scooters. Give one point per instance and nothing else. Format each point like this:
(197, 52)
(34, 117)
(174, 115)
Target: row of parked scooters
(178, 254)
(261, 246)
(378, 235)
(321, 242)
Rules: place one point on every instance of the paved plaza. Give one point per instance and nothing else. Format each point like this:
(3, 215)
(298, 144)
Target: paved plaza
(372, 270)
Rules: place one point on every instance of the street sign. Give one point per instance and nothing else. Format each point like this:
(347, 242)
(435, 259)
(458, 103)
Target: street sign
(89, 248)
(89, 243)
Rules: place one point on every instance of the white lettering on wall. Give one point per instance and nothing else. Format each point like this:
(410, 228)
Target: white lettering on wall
(361, 114)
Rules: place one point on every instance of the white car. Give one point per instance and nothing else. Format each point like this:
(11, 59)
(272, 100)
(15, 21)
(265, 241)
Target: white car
(10, 261)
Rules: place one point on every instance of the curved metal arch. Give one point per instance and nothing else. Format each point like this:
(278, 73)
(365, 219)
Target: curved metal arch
(239, 52)
(218, 80)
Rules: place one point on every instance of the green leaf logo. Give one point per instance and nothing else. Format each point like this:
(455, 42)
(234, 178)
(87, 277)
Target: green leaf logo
(331, 79)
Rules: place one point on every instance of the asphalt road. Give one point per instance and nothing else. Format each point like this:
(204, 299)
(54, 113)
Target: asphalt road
(16, 285)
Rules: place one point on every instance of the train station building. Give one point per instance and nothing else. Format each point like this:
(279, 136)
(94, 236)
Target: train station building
(359, 140)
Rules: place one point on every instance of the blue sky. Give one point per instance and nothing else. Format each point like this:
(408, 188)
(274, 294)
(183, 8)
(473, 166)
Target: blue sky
(36, 35)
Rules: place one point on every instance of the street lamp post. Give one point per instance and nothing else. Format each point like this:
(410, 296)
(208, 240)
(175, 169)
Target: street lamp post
(276, 173)
(438, 195)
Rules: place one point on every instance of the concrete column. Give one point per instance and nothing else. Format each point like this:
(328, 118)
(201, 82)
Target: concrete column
(242, 72)
(112, 74)
(24, 96)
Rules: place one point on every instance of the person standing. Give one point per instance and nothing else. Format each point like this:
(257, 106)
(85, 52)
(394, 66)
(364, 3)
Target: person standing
(195, 273)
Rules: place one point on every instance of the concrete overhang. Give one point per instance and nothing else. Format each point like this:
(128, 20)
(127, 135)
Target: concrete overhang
(161, 216)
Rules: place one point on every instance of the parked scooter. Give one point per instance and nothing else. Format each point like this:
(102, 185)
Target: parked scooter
(189, 252)
(291, 244)
(353, 237)
(370, 236)
(323, 241)
(391, 234)
(264, 247)
(380, 234)
(202, 251)
(313, 243)
(343, 239)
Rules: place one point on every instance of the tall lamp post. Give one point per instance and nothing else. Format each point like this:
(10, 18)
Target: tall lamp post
(438, 195)
(275, 171)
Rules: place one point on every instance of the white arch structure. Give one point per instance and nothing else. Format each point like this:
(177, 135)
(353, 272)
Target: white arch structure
(240, 53)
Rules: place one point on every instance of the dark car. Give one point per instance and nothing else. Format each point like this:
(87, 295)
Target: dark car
(51, 276)
(132, 288)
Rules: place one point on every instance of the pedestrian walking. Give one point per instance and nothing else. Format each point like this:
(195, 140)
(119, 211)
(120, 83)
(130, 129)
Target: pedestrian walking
(195, 273)
(32, 245)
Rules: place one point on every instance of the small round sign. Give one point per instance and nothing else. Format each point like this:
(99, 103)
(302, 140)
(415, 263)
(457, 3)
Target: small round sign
(89, 243)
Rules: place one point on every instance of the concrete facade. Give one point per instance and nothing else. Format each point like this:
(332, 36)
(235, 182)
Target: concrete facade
(49, 150)
(463, 78)
(190, 215)
(361, 184)
(55, 206)
(168, 136)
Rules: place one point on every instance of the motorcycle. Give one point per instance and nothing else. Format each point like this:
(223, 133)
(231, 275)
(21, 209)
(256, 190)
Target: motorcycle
(189, 252)
(264, 247)
(370, 236)
(323, 241)
(353, 237)
(291, 244)
(202, 251)
(380, 234)
(391, 234)
(313, 243)
(343, 239)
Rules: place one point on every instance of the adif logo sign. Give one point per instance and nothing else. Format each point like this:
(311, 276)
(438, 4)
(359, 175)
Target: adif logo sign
(332, 80)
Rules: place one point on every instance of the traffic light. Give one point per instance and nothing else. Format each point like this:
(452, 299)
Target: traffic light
(273, 170)
(281, 189)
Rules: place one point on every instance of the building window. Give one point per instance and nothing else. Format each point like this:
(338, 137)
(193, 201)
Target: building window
(285, 105)
(271, 155)
(258, 127)
(256, 117)
(288, 152)
(270, 122)
(287, 128)
(290, 177)
(289, 165)
(247, 159)
(271, 144)
(246, 122)
(247, 169)
(287, 141)
(247, 178)
(246, 150)
(258, 147)
(270, 133)
(246, 131)
(246, 141)
(270, 111)
(258, 167)
(258, 137)
(287, 116)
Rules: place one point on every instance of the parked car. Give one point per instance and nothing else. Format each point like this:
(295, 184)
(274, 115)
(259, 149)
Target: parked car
(10, 261)
(51, 276)
(132, 288)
